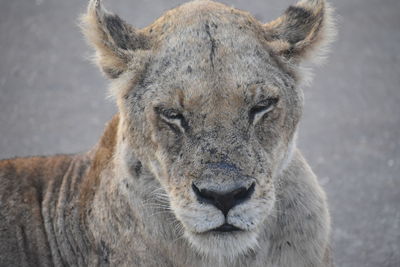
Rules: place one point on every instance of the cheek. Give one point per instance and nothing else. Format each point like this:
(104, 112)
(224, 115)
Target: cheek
(270, 129)
(180, 179)
(265, 188)
(180, 193)
(171, 143)
(167, 141)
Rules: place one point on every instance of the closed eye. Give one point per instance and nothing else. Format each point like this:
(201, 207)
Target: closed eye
(173, 118)
(262, 108)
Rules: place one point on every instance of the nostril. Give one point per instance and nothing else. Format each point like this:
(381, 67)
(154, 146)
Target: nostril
(242, 194)
(203, 194)
(196, 190)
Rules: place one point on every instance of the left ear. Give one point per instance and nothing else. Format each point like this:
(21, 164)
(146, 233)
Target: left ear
(114, 40)
(304, 30)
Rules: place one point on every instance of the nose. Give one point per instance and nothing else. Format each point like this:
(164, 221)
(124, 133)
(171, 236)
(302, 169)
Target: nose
(224, 200)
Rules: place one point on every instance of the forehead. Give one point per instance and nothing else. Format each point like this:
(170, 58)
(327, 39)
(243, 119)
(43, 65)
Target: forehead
(210, 49)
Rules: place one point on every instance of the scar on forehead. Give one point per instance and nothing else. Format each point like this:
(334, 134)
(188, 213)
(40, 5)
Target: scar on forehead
(181, 97)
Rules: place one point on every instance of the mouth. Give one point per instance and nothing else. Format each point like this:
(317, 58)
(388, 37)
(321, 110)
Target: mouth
(225, 238)
(226, 228)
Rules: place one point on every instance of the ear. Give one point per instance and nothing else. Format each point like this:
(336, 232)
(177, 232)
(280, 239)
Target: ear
(304, 30)
(114, 40)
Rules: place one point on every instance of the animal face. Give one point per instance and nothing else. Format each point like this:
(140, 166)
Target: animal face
(209, 103)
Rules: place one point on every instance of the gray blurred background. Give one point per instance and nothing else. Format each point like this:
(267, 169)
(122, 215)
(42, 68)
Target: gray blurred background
(53, 100)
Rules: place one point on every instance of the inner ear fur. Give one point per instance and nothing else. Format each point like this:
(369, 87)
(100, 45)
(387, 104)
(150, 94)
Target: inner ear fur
(114, 40)
(303, 31)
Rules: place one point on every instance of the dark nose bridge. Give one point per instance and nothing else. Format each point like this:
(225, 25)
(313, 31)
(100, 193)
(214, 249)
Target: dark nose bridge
(222, 176)
(223, 167)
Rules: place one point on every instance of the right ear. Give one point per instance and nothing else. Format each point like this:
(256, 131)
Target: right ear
(304, 30)
(114, 40)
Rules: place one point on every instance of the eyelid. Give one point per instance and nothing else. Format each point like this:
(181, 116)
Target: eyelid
(268, 101)
(262, 107)
(172, 117)
(171, 114)
(167, 113)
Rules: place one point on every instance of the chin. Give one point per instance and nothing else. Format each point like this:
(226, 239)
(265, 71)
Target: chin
(223, 246)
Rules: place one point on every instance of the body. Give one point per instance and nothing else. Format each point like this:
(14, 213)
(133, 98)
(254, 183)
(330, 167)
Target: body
(45, 223)
(199, 167)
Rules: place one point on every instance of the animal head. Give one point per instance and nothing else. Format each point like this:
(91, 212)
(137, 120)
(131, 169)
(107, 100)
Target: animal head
(209, 102)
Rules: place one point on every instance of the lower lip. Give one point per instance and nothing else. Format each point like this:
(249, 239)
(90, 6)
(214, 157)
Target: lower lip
(226, 228)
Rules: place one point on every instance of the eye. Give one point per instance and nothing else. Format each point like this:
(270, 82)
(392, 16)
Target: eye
(262, 108)
(173, 118)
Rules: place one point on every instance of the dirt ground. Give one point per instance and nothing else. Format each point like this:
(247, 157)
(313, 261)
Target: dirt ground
(52, 100)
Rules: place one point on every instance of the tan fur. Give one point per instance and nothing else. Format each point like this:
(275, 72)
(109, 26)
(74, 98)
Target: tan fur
(208, 98)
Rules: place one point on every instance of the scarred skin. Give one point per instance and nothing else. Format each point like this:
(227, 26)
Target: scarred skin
(208, 98)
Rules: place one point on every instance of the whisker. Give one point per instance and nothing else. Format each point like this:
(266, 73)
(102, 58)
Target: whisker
(160, 212)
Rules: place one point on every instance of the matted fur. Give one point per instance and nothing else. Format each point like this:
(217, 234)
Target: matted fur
(207, 96)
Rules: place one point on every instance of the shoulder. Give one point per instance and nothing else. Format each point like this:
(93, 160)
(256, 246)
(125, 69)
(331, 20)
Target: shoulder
(299, 174)
(303, 221)
(23, 181)
(298, 187)
(20, 173)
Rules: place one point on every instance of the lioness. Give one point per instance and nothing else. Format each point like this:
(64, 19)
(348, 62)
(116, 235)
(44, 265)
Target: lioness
(199, 167)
